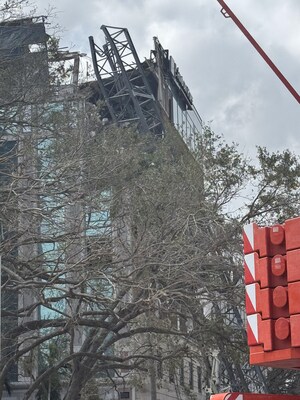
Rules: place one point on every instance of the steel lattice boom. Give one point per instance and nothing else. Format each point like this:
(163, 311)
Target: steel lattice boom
(123, 83)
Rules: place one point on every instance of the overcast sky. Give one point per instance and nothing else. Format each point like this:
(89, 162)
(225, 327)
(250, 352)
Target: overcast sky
(233, 88)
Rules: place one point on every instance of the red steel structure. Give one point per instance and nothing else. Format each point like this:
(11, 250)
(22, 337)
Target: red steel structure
(272, 277)
(252, 396)
(228, 13)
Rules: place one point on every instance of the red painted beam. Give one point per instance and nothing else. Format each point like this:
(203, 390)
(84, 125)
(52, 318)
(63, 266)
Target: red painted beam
(253, 396)
(227, 12)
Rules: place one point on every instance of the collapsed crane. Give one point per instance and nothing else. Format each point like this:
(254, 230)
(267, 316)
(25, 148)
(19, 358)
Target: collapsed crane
(123, 83)
(144, 94)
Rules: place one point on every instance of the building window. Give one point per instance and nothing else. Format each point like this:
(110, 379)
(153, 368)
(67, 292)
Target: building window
(160, 369)
(199, 379)
(124, 395)
(191, 374)
(8, 160)
(98, 222)
(171, 373)
(181, 373)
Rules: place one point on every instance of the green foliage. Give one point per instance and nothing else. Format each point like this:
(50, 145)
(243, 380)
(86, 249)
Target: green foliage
(274, 187)
(225, 169)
